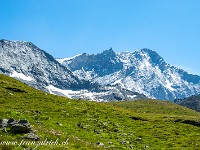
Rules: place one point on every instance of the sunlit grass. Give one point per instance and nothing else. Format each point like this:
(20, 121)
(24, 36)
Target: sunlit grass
(141, 124)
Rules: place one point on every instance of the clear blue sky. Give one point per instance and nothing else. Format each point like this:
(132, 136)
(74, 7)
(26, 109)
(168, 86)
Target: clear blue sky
(65, 28)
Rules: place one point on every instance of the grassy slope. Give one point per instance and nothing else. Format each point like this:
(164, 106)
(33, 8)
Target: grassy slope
(114, 124)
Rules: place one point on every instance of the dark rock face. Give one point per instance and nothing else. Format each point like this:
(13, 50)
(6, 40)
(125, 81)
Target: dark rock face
(103, 63)
(189, 77)
(11, 121)
(192, 102)
(20, 128)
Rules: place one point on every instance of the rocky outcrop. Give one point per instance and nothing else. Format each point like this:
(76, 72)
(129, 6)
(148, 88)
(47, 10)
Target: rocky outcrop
(17, 127)
(22, 126)
(192, 102)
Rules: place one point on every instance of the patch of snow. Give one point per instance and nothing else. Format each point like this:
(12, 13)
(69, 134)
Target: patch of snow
(82, 94)
(67, 93)
(169, 86)
(132, 96)
(21, 76)
(89, 96)
(61, 60)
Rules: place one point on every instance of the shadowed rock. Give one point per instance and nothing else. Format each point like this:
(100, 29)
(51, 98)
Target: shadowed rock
(191, 122)
(20, 128)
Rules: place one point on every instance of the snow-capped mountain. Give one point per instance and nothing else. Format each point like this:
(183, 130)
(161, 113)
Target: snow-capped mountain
(28, 63)
(143, 71)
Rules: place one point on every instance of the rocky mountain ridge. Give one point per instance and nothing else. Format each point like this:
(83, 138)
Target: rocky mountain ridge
(105, 76)
(35, 67)
(26, 61)
(143, 71)
(192, 102)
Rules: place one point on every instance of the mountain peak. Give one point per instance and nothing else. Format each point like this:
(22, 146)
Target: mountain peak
(17, 43)
(9, 41)
(150, 52)
(109, 52)
(147, 50)
(143, 71)
(24, 59)
(154, 56)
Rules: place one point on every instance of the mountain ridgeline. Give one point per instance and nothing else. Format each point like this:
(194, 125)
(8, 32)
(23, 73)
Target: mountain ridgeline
(143, 71)
(36, 67)
(192, 102)
(25, 61)
(107, 76)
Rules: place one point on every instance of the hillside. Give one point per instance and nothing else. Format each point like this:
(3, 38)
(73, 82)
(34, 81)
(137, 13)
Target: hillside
(192, 102)
(142, 124)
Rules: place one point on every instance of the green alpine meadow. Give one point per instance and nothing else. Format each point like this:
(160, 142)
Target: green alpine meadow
(61, 123)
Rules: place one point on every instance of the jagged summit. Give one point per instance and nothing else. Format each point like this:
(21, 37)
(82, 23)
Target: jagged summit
(148, 51)
(143, 71)
(30, 64)
(151, 53)
(101, 63)
(109, 51)
(154, 57)
(107, 75)
(15, 42)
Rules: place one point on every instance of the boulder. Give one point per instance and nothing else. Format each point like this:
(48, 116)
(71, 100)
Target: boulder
(31, 136)
(22, 126)
(19, 128)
